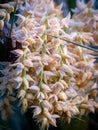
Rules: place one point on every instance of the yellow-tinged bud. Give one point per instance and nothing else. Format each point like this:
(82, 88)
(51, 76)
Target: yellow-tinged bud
(89, 75)
(79, 82)
(92, 109)
(47, 105)
(41, 95)
(24, 104)
(68, 114)
(68, 119)
(47, 114)
(46, 88)
(82, 111)
(84, 77)
(64, 83)
(26, 83)
(1, 24)
(90, 4)
(7, 18)
(37, 111)
(25, 44)
(53, 122)
(29, 96)
(28, 63)
(9, 7)
(65, 109)
(85, 106)
(45, 123)
(31, 41)
(22, 94)
(62, 96)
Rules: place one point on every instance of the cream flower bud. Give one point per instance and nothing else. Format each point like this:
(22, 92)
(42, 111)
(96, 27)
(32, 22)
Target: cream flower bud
(47, 105)
(29, 96)
(53, 122)
(85, 106)
(45, 123)
(47, 114)
(7, 18)
(1, 24)
(82, 111)
(9, 7)
(29, 78)
(28, 63)
(37, 111)
(68, 113)
(49, 117)
(84, 77)
(41, 96)
(26, 83)
(92, 109)
(45, 88)
(31, 41)
(62, 96)
(24, 104)
(64, 83)
(68, 119)
(22, 94)
(65, 50)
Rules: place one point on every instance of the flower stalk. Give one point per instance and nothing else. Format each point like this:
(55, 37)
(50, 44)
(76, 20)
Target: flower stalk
(13, 18)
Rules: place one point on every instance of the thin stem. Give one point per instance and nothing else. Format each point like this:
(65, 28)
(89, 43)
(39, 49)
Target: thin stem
(60, 49)
(79, 119)
(83, 57)
(42, 55)
(84, 93)
(24, 57)
(13, 19)
(77, 44)
(41, 78)
(43, 45)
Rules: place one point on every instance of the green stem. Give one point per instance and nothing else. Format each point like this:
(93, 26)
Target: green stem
(43, 45)
(13, 19)
(60, 49)
(44, 37)
(24, 56)
(41, 77)
(24, 73)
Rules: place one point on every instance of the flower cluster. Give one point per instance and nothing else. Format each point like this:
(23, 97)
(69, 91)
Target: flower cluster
(52, 76)
(6, 9)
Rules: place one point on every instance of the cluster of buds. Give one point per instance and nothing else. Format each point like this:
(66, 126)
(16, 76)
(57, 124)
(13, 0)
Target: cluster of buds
(52, 76)
(6, 9)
